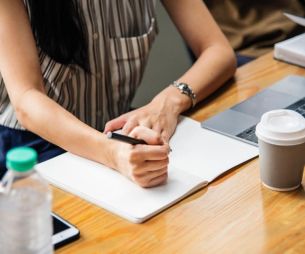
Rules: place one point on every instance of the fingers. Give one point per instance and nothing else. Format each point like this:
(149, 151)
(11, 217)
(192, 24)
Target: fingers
(150, 172)
(164, 130)
(150, 136)
(115, 124)
(146, 165)
(159, 129)
(151, 178)
(129, 126)
(157, 181)
(133, 123)
(150, 167)
(151, 152)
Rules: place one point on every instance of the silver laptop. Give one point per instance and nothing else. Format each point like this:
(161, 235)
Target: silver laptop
(240, 121)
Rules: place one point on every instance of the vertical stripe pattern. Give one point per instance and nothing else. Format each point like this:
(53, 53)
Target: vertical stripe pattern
(120, 35)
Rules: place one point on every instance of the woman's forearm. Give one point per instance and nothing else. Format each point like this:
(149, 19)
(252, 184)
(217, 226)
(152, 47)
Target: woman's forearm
(41, 115)
(215, 58)
(214, 66)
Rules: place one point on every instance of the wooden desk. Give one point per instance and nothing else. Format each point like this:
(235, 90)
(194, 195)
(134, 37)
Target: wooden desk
(234, 214)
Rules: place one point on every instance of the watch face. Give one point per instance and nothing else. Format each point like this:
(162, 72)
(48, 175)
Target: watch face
(185, 89)
(183, 86)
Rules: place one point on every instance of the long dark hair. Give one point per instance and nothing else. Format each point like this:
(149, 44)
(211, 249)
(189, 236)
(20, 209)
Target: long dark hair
(57, 27)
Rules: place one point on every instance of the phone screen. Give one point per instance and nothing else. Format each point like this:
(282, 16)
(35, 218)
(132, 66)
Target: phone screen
(63, 231)
(58, 226)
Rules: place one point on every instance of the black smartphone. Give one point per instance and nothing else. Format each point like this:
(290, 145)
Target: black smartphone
(63, 232)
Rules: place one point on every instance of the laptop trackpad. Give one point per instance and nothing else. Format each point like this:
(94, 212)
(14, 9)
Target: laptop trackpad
(265, 101)
(229, 122)
(293, 85)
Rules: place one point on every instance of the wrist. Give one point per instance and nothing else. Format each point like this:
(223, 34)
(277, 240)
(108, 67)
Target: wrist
(172, 100)
(106, 156)
(186, 90)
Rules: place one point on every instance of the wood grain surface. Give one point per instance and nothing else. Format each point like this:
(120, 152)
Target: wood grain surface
(234, 214)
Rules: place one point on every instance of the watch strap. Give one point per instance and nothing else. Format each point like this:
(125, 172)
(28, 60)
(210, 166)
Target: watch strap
(187, 90)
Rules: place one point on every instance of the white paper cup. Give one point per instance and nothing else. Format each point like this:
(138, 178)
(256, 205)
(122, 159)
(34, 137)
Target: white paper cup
(281, 140)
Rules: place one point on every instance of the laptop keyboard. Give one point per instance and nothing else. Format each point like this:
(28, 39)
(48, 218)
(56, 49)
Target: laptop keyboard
(299, 107)
(249, 134)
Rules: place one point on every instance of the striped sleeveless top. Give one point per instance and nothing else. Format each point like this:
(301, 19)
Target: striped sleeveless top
(119, 34)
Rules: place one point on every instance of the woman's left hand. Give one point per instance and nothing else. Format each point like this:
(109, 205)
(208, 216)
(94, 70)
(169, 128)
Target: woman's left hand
(151, 116)
(160, 115)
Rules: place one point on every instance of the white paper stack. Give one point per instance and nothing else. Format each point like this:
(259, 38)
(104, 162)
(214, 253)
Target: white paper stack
(292, 50)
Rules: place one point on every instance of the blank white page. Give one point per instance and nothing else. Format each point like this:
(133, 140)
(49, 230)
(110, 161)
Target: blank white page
(112, 191)
(205, 153)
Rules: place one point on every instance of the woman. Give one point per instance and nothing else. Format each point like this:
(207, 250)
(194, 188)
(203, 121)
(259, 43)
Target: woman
(69, 67)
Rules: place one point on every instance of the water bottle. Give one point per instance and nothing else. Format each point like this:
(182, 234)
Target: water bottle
(25, 206)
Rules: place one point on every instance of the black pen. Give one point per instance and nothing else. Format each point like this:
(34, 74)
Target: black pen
(126, 139)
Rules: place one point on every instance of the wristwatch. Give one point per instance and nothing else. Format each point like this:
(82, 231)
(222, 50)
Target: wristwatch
(187, 90)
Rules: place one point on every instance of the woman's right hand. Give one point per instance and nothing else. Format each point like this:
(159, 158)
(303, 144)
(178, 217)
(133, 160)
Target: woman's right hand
(146, 165)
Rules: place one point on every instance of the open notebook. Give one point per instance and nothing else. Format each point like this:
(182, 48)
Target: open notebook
(198, 157)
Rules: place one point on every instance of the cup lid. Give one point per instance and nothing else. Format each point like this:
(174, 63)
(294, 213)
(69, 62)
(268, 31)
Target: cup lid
(281, 127)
